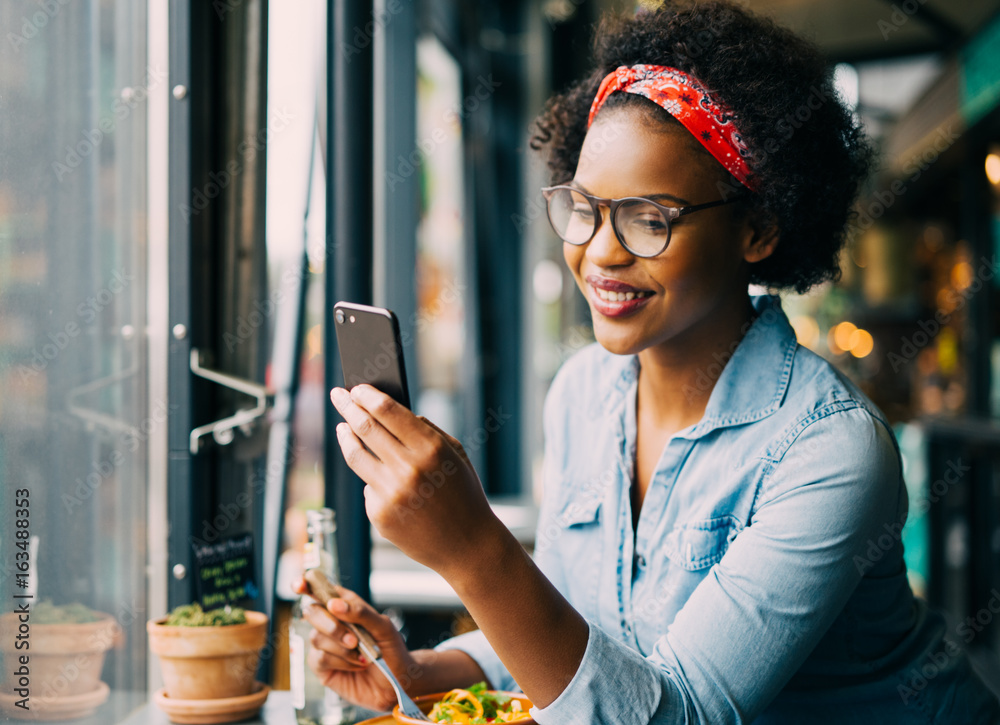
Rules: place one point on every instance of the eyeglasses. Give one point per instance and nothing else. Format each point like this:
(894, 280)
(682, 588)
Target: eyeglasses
(642, 226)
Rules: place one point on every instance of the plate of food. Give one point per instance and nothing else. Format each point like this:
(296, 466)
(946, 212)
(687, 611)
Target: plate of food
(473, 706)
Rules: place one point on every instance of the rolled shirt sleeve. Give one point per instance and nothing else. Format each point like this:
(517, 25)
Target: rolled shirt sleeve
(613, 684)
(475, 645)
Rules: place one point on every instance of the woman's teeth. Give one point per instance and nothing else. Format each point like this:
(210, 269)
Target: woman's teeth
(619, 296)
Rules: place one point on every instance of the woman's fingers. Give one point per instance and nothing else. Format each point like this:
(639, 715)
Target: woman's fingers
(321, 659)
(343, 645)
(349, 607)
(322, 621)
(359, 459)
(333, 638)
(368, 427)
(336, 637)
(396, 419)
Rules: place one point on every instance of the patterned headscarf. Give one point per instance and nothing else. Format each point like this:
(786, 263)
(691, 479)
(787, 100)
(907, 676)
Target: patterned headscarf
(684, 98)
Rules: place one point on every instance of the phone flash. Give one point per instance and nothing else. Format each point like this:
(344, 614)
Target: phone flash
(352, 318)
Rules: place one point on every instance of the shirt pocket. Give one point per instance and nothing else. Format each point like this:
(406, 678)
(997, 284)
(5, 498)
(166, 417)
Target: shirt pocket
(689, 551)
(698, 545)
(580, 550)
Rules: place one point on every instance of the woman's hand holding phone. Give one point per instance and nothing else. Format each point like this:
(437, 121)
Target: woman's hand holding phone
(423, 494)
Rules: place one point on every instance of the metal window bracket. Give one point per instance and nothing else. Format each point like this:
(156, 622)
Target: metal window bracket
(96, 418)
(223, 431)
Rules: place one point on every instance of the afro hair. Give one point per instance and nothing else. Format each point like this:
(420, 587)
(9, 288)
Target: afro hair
(808, 154)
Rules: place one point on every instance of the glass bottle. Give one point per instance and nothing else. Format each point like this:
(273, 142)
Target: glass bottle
(314, 704)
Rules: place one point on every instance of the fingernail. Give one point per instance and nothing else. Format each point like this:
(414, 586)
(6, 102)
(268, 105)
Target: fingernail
(340, 396)
(348, 640)
(337, 605)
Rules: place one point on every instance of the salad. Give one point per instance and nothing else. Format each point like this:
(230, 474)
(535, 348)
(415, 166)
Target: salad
(477, 705)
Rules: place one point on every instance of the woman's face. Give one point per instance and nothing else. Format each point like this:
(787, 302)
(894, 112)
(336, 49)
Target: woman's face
(702, 269)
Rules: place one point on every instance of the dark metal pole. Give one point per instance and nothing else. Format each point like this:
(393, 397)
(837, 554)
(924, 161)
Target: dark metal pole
(397, 194)
(183, 506)
(351, 29)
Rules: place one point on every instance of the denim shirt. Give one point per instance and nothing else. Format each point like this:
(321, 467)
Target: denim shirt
(765, 581)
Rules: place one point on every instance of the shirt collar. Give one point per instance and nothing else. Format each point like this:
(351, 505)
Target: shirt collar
(753, 382)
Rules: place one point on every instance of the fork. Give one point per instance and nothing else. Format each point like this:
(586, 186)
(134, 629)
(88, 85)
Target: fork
(324, 590)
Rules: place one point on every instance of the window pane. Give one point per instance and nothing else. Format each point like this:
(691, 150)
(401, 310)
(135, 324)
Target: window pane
(442, 288)
(74, 414)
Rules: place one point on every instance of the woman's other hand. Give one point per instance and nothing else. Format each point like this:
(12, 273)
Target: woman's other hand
(334, 656)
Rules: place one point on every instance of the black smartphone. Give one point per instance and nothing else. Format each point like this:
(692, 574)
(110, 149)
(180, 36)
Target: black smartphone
(371, 350)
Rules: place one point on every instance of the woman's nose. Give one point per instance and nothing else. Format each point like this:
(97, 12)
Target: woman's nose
(604, 249)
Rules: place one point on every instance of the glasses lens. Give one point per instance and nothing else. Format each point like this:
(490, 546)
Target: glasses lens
(571, 215)
(644, 228)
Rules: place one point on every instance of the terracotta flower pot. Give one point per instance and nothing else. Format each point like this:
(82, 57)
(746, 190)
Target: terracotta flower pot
(66, 659)
(207, 663)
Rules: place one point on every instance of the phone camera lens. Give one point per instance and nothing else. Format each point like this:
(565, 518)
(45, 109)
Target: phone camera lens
(340, 315)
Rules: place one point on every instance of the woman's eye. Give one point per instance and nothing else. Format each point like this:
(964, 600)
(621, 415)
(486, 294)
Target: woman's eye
(583, 211)
(649, 225)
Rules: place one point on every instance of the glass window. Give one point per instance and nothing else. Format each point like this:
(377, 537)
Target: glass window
(75, 418)
(441, 278)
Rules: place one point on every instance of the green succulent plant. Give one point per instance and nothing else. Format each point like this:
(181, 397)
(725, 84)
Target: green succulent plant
(192, 615)
(45, 612)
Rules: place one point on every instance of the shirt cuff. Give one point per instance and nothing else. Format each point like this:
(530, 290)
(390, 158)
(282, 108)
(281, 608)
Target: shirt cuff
(475, 645)
(612, 680)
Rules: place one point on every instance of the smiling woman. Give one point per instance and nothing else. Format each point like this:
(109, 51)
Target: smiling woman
(711, 488)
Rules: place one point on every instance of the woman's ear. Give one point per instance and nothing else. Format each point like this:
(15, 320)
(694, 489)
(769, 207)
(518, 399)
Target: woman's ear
(762, 236)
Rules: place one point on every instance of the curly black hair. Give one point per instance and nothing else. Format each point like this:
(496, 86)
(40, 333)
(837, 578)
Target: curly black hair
(809, 155)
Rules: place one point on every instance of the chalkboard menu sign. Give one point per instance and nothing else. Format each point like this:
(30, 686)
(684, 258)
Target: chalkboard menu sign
(224, 571)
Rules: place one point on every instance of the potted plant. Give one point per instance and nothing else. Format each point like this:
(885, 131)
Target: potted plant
(68, 644)
(208, 655)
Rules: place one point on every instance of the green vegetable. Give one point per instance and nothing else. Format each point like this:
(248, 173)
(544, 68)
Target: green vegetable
(192, 615)
(491, 702)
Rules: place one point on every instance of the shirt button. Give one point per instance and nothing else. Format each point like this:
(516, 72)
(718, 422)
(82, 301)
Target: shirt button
(641, 560)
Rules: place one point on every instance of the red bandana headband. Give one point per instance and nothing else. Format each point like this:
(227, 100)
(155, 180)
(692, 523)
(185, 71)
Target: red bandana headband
(684, 98)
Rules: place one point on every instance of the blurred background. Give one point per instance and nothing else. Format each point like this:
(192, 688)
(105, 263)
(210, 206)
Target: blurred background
(187, 187)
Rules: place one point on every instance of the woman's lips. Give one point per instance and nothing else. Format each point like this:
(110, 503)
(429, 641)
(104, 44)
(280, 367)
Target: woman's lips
(616, 308)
